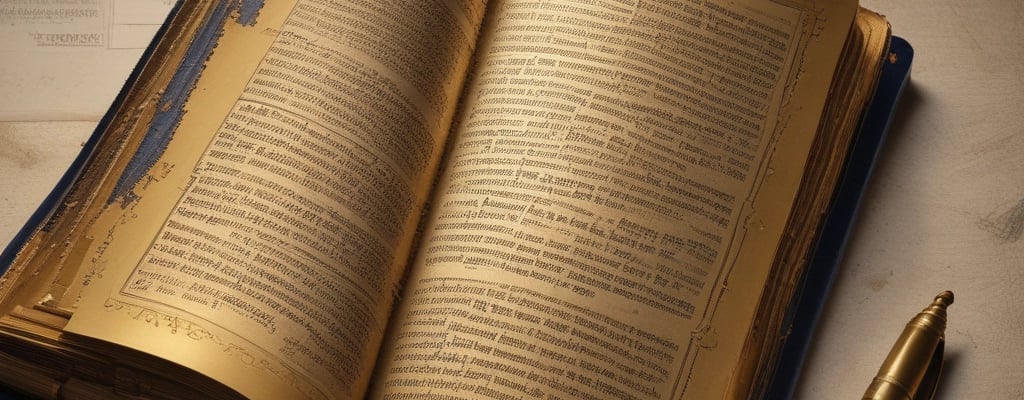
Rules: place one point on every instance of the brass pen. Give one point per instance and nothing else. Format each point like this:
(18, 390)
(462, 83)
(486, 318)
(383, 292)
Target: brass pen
(911, 371)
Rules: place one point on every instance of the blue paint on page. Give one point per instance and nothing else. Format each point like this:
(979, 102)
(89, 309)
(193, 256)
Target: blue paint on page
(248, 12)
(171, 105)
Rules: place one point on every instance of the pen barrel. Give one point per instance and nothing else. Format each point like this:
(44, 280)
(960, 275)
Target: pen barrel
(916, 353)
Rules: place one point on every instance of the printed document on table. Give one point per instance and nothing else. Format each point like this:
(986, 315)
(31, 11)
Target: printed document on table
(67, 59)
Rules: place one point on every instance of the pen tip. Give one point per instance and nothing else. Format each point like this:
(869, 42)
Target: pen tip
(946, 298)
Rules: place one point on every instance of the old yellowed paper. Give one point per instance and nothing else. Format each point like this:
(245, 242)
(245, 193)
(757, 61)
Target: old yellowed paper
(613, 200)
(270, 237)
(67, 59)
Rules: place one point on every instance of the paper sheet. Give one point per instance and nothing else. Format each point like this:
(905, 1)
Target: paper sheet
(67, 59)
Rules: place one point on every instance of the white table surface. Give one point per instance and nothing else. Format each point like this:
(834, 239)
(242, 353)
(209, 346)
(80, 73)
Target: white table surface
(945, 208)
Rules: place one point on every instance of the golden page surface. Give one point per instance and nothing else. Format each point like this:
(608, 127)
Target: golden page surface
(613, 200)
(265, 246)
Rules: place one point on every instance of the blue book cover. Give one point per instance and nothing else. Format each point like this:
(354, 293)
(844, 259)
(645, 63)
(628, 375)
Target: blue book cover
(817, 282)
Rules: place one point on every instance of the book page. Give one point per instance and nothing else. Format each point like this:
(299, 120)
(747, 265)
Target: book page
(614, 196)
(264, 246)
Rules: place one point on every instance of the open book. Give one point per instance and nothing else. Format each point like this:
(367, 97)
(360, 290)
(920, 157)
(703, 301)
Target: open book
(446, 199)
